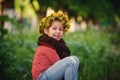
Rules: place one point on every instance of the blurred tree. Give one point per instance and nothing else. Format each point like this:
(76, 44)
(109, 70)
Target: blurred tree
(94, 9)
(102, 10)
(4, 5)
(116, 6)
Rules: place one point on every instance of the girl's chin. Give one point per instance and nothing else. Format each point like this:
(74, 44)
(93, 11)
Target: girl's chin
(57, 39)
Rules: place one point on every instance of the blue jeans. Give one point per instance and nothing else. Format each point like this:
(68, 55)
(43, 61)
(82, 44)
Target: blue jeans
(66, 68)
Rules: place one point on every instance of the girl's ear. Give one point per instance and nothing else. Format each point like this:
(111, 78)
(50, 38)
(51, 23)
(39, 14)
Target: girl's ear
(45, 31)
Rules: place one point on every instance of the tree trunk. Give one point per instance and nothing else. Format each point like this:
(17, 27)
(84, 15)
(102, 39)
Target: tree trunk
(1, 12)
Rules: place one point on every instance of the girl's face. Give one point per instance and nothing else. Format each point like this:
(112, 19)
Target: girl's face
(55, 31)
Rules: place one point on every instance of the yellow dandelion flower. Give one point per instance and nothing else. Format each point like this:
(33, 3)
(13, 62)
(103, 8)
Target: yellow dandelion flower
(47, 24)
(43, 20)
(55, 14)
(63, 22)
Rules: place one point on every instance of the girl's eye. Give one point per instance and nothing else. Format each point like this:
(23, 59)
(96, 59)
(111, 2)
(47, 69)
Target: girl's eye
(61, 29)
(54, 28)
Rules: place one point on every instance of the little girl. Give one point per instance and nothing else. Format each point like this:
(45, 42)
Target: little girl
(52, 60)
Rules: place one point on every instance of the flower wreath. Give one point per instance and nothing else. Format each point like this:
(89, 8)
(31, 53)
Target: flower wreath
(46, 21)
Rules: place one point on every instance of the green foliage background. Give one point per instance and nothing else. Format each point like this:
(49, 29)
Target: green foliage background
(93, 48)
(97, 50)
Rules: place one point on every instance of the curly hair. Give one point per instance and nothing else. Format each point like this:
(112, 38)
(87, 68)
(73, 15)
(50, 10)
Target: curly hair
(47, 21)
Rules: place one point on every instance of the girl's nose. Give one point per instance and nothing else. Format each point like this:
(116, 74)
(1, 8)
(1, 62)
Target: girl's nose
(58, 30)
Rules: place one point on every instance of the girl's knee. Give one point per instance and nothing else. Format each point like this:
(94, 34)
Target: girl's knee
(76, 59)
(73, 60)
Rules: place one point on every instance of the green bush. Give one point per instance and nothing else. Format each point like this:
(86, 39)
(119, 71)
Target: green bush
(15, 57)
(7, 59)
(13, 66)
(24, 50)
(93, 48)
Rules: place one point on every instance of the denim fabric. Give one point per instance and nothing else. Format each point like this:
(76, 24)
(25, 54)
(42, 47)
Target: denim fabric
(66, 68)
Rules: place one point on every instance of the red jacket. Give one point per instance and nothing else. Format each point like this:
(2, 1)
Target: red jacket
(44, 57)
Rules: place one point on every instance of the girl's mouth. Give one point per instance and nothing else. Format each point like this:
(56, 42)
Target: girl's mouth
(56, 36)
